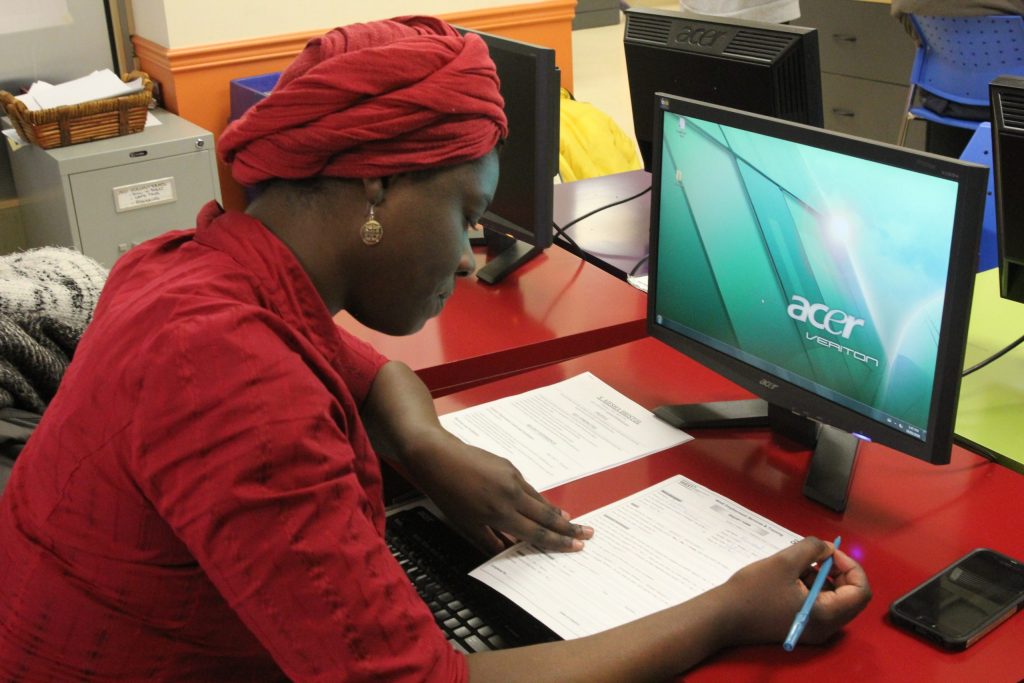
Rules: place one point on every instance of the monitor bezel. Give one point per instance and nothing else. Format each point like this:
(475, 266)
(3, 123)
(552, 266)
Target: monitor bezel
(544, 164)
(937, 446)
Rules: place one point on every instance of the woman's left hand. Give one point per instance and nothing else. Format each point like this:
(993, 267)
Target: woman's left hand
(486, 498)
(483, 495)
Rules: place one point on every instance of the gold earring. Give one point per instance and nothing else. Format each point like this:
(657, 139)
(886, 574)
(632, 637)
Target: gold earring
(372, 232)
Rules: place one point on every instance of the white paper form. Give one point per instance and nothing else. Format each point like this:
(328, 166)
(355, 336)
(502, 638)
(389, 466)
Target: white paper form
(96, 86)
(564, 431)
(651, 550)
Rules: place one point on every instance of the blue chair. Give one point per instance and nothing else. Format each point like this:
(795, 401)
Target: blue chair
(979, 151)
(957, 58)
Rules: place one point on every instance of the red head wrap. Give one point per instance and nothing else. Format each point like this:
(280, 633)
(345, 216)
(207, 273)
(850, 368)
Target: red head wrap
(371, 100)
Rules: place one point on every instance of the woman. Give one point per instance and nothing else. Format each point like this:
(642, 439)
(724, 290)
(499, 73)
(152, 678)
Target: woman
(202, 500)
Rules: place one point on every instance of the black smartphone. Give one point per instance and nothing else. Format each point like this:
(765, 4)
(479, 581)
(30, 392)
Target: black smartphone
(964, 601)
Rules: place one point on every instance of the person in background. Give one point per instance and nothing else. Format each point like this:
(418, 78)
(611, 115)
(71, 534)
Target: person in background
(941, 139)
(773, 11)
(202, 499)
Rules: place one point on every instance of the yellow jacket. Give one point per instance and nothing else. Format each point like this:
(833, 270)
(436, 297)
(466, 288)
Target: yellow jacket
(591, 143)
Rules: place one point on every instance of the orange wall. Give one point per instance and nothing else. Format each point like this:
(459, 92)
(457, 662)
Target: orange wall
(194, 82)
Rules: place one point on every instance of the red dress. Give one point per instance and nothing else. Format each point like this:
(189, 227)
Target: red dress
(201, 500)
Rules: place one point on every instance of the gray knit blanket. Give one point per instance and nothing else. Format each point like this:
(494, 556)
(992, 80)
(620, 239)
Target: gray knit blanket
(47, 297)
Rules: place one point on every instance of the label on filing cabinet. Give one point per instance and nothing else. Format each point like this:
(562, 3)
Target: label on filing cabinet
(146, 193)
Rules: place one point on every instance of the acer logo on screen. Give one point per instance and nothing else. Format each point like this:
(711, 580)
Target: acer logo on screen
(831, 320)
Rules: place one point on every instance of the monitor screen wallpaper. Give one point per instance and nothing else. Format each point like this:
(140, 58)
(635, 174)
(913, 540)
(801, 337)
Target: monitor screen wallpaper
(806, 263)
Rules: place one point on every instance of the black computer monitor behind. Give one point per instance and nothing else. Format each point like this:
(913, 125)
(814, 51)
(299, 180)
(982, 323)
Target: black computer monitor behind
(518, 224)
(1007, 96)
(831, 276)
(770, 69)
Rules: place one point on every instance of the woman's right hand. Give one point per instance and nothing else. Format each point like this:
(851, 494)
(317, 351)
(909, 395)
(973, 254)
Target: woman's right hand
(756, 605)
(764, 596)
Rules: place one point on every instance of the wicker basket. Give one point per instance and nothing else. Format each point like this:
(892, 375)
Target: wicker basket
(71, 124)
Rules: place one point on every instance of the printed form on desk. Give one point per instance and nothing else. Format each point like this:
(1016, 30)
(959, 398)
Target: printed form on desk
(651, 550)
(564, 431)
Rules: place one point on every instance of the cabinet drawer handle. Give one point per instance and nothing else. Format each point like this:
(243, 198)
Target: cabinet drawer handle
(846, 113)
(845, 37)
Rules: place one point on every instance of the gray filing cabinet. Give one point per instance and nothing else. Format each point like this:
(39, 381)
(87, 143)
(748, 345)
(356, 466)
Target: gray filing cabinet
(866, 57)
(105, 197)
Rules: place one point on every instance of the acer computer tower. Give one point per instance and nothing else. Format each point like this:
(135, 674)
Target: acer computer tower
(1007, 95)
(770, 69)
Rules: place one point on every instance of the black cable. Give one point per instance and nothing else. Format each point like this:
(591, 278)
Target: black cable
(560, 230)
(975, 448)
(560, 233)
(574, 221)
(995, 356)
(637, 266)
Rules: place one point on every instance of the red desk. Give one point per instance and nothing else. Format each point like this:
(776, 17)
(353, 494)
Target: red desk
(905, 519)
(553, 308)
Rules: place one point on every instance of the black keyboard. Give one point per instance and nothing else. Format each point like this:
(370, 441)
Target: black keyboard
(473, 616)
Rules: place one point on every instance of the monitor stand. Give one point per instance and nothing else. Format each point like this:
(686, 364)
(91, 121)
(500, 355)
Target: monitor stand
(834, 451)
(504, 254)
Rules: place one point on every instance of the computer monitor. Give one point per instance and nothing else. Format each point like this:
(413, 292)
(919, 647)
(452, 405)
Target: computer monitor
(1007, 97)
(770, 69)
(829, 275)
(518, 224)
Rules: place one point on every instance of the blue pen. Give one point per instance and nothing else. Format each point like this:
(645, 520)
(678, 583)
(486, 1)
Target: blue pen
(805, 610)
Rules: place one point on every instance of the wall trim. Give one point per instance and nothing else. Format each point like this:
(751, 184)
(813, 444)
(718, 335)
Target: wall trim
(511, 16)
(194, 81)
(184, 59)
